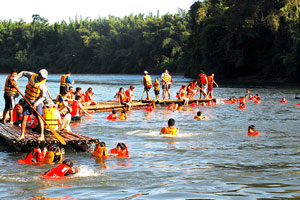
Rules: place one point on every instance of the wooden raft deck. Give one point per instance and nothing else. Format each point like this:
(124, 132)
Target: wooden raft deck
(137, 104)
(9, 136)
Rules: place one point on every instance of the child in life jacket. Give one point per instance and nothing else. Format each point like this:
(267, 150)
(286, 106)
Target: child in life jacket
(170, 130)
(54, 155)
(283, 100)
(120, 151)
(123, 115)
(199, 116)
(156, 86)
(18, 112)
(77, 107)
(36, 155)
(252, 131)
(151, 106)
(112, 116)
(62, 170)
(100, 150)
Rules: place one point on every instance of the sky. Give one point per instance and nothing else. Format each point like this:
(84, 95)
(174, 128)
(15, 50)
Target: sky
(58, 10)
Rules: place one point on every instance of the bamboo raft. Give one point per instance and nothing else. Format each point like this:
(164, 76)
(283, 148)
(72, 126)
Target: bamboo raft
(9, 137)
(107, 106)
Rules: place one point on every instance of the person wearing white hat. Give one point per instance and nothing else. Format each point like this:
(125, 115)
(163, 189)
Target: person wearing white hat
(35, 93)
(147, 81)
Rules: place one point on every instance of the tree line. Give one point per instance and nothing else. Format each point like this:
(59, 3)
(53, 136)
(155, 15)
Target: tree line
(232, 38)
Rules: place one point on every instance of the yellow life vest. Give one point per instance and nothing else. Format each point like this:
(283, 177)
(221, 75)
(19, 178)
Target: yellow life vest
(198, 117)
(50, 118)
(156, 86)
(63, 82)
(32, 90)
(59, 103)
(9, 88)
(166, 78)
(170, 131)
(98, 151)
(122, 116)
(148, 81)
(51, 156)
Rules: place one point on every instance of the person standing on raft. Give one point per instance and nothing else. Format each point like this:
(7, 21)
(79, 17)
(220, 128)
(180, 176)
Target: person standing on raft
(10, 93)
(147, 81)
(166, 83)
(35, 93)
(65, 82)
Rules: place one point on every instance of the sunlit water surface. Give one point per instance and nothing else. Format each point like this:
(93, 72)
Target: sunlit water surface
(209, 159)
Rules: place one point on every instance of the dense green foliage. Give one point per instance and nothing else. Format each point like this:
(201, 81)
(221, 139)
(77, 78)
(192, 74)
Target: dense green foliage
(105, 45)
(233, 38)
(238, 38)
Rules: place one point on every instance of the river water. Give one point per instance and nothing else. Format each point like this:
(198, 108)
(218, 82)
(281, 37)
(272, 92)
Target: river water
(209, 159)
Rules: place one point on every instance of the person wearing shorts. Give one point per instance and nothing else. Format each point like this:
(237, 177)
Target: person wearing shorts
(166, 83)
(35, 93)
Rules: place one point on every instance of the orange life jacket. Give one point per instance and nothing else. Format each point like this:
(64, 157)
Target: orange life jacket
(58, 172)
(170, 131)
(63, 81)
(156, 86)
(203, 79)
(33, 157)
(120, 154)
(112, 117)
(76, 111)
(282, 101)
(98, 151)
(32, 90)
(181, 93)
(254, 133)
(9, 88)
(210, 80)
(122, 116)
(122, 96)
(129, 93)
(17, 116)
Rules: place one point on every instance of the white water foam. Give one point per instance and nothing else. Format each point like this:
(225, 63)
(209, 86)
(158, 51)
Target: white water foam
(87, 171)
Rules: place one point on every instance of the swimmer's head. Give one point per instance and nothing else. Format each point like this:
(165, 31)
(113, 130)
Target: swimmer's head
(199, 113)
(171, 122)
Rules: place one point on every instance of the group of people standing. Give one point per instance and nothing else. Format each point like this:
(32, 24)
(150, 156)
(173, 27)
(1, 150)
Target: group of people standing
(35, 110)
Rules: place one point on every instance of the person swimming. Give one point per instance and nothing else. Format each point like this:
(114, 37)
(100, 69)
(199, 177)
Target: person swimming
(112, 116)
(283, 100)
(120, 151)
(170, 130)
(200, 116)
(252, 131)
(62, 170)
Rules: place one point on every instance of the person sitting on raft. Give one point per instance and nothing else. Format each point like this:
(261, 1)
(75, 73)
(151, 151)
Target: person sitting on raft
(18, 112)
(77, 107)
(199, 116)
(79, 92)
(70, 95)
(123, 115)
(112, 116)
(182, 95)
(122, 99)
(120, 151)
(252, 131)
(170, 130)
(89, 97)
(64, 169)
(283, 100)
(192, 89)
(100, 150)
(129, 94)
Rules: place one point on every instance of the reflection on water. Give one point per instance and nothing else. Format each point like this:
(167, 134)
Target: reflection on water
(210, 159)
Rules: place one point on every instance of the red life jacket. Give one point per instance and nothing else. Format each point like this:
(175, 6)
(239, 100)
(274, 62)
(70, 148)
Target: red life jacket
(181, 93)
(253, 133)
(76, 111)
(122, 96)
(282, 101)
(121, 154)
(16, 116)
(129, 93)
(33, 157)
(257, 101)
(58, 172)
(112, 117)
(203, 79)
(31, 121)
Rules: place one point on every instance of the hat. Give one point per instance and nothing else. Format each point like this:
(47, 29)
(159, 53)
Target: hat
(43, 73)
(49, 103)
(145, 72)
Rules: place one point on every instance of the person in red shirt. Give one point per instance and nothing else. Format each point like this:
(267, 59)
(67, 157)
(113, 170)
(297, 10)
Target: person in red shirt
(62, 170)
(252, 131)
(129, 94)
